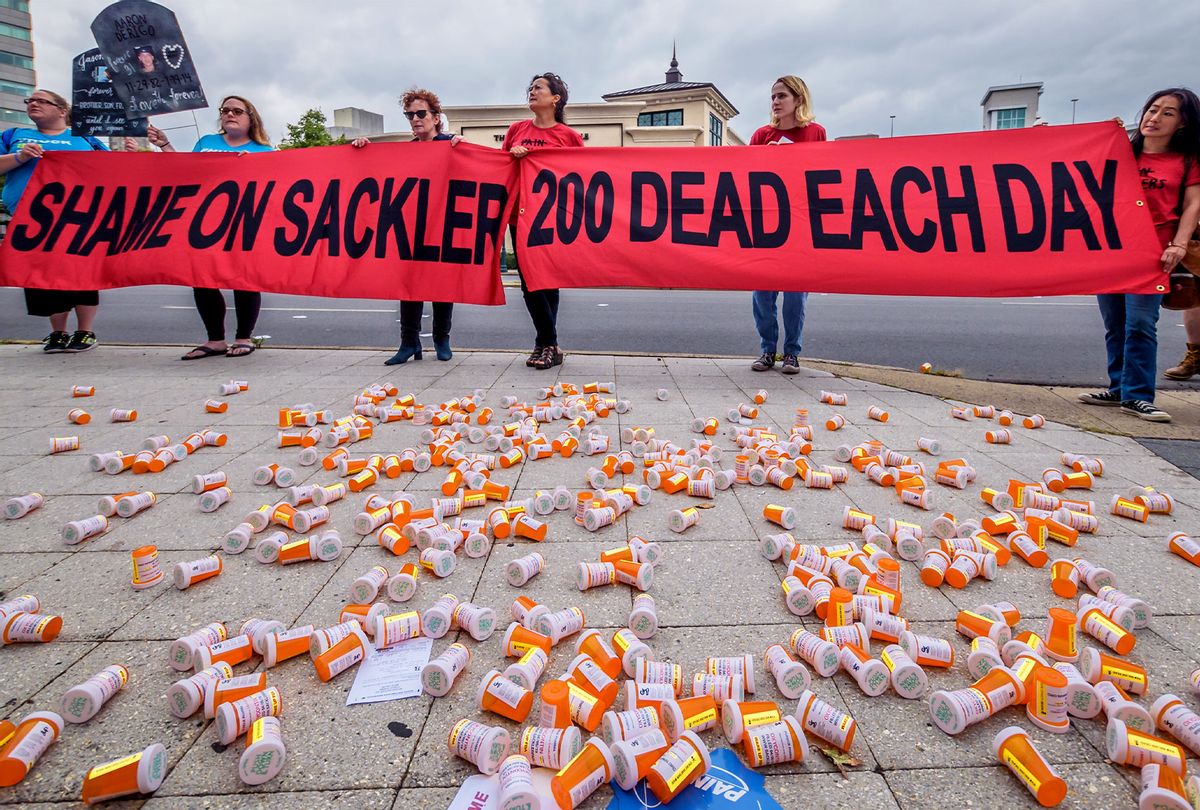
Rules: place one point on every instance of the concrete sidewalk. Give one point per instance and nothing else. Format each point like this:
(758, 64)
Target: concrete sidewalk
(716, 594)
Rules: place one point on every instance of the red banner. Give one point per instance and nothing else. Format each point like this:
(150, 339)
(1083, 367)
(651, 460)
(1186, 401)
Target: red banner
(1041, 211)
(392, 221)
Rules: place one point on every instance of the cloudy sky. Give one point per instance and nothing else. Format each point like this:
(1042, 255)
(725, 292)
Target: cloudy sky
(928, 63)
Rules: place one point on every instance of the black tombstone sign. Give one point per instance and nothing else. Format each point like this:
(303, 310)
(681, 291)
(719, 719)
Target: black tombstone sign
(152, 68)
(95, 107)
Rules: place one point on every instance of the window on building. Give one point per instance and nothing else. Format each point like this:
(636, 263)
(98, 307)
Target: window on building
(1010, 119)
(715, 130)
(15, 60)
(12, 116)
(661, 118)
(14, 31)
(22, 90)
(15, 5)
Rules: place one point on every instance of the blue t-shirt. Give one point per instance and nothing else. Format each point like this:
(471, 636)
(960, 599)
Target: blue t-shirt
(215, 142)
(16, 180)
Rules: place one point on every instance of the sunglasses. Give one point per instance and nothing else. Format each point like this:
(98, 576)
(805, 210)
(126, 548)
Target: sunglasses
(232, 111)
(29, 101)
(417, 114)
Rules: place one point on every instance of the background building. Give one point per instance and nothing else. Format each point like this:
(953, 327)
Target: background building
(1011, 106)
(672, 113)
(353, 123)
(17, 78)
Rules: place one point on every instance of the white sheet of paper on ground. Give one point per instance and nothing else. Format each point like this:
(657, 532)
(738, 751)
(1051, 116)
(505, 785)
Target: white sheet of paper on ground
(481, 792)
(391, 674)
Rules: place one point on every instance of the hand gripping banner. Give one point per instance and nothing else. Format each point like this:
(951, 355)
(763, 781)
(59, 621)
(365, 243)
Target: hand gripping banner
(392, 221)
(1041, 211)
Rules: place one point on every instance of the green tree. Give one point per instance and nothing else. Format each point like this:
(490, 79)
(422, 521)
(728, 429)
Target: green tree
(309, 131)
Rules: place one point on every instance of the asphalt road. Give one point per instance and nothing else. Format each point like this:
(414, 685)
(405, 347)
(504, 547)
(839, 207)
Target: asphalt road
(1039, 340)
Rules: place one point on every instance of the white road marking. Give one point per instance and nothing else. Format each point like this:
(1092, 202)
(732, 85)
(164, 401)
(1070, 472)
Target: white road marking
(299, 309)
(1048, 303)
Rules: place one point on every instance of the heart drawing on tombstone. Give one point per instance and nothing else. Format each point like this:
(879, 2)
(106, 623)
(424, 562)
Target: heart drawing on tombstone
(173, 55)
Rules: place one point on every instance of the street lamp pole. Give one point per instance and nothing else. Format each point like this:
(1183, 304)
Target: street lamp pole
(1073, 102)
(892, 126)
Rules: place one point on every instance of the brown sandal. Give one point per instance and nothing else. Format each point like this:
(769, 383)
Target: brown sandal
(551, 356)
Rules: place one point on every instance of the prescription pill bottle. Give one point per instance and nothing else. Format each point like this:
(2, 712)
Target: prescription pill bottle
(1118, 706)
(483, 746)
(579, 778)
(516, 785)
(1128, 747)
(680, 766)
(1174, 717)
(553, 747)
(697, 713)
(279, 646)
(1015, 750)
(265, 754)
(501, 696)
(820, 654)
(187, 574)
(186, 696)
(1163, 789)
(81, 703)
(954, 711)
(907, 678)
(142, 773)
(791, 676)
(643, 618)
(402, 586)
(30, 628)
(627, 725)
(439, 675)
(737, 717)
(633, 758)
(775, 743)
(519, 571)
(183, 649)
(343, 655)
(235, 718)
(233, 651)
(825, 722)
(34, 734)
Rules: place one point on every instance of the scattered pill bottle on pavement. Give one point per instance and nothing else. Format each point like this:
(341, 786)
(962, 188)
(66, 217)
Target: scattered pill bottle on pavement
(22, 505)
(146, 571)
(1015, 750)
(31, 628)
(775, 743)
(237, 717)
(186, 696)
(1184, 546)
(682, 764)
(1134, 748)
(552, 747)
(643, 617)
(1106, 631)
(187, 574)
(76, 531)
(501, 696)
(1117, 706)
(791, 676)
(1174, 717)
(142, 773)
(820, 654)
(738, 717)
(402, 586)
(1163, 789)
(633, 758)
(279, 646)
(265, 754)
(627, 645)
(483, 746)
(697, 713)
(1097, 666)
(907, 678)
(34, 734)
(516, 785)
(1046, 707)
(521, 570)
(343, 655)
(183, 649)
(367, 587)
(954, 711)
(81, 703)
(825, 722)
(579, 778)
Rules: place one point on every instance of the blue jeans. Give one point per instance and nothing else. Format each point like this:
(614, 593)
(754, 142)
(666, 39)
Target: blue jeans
(767, 325)
(1131, 338)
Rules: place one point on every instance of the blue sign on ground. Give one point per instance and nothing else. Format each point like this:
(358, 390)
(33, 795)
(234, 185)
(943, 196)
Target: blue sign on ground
(728, 785)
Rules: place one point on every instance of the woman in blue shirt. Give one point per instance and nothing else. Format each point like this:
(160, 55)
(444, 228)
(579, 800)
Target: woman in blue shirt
(241, 131)
(22, 148)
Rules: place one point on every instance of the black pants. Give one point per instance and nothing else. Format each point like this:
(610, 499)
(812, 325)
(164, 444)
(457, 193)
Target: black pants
(410, 321)
(542, 306)
(45, 303)
(211, 304)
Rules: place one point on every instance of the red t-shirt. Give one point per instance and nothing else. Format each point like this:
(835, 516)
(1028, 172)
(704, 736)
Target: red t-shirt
(525, 133)
(811, 131)
(1161, 173)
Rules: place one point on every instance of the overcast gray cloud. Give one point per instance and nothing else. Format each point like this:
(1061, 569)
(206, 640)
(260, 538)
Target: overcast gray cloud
(927, 63)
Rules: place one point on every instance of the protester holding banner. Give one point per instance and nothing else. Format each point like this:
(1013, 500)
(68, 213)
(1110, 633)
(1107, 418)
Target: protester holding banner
(241, 131)
(546, 130)
(423, 109)
(1167, 147)
(22, 148)
(791, 122)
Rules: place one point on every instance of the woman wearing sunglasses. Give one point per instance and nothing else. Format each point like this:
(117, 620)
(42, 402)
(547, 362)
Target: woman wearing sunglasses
(241, 131)
(423, 110)
(20, 150)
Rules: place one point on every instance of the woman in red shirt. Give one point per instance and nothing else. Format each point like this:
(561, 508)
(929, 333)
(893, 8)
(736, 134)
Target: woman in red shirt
(546, 130)
(1167, 146)
(791, 122)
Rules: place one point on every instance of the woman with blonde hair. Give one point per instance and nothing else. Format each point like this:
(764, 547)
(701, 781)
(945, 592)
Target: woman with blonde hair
(20, 150)
(241, 131)
(792, 121)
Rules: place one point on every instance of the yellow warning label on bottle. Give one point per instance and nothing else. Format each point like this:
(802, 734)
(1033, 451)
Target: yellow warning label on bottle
(690, 764)
(706, 716)
(101, 770)
(1022, 771)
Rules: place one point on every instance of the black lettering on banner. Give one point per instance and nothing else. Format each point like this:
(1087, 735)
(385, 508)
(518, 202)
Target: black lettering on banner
(570, 195)
(539, 234)
(966, 205)
(1016, 240)
(421, 251)
(248, 215)
(142, 218)
(173, 212)
(726, 199)
(681, 206)
(778, 237)
(391, 219)
(488, 225)
(924, 241)
(868, 213)
(325, 225)
(357, 248)
(24, 237)
(456, 220)
(598, 226)
(1104, 193)
(1063, 218)
(819, 207)
(197, 238)
(294, 213)
(638, 230)
(111, 222)
(81, 219)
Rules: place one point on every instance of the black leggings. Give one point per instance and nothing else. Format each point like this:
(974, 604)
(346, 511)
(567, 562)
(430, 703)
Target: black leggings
(211, 304)
(542, 306)
(410, 321)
